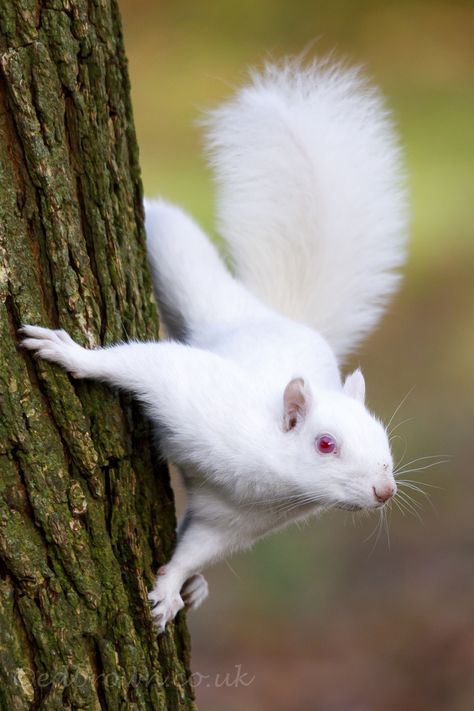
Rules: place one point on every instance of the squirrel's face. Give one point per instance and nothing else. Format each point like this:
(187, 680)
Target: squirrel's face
(341, 450)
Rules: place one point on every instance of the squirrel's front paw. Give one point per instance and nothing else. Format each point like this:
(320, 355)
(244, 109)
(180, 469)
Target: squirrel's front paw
(165, 600)
(55, 346)
(194, 591)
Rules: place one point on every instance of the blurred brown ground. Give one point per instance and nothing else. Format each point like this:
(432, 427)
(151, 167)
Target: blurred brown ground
(319, 618)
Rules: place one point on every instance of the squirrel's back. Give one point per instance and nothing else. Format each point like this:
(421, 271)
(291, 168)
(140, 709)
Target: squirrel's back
(310, 197)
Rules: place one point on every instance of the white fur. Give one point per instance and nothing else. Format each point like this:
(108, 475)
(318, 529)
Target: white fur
(240, 402)
(310, 198)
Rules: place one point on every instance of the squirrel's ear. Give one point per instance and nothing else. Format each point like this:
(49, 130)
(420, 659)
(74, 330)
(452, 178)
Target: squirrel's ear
(354, 386)
(296, 400)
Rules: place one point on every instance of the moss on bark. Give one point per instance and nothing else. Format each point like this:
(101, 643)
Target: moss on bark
(86, 511)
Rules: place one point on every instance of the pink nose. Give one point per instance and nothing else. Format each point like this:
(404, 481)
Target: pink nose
(383, 493)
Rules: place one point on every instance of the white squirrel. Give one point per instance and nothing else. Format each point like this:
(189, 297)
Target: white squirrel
(247, 396)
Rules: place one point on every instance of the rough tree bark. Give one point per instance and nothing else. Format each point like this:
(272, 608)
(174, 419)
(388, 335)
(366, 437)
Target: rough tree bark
(86, 511)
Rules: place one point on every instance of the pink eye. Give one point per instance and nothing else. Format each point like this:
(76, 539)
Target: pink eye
(325, 444)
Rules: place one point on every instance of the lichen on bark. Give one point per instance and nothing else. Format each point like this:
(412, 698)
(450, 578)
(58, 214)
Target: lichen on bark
(86, 511)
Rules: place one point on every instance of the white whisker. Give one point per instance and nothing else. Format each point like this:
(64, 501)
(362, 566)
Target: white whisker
(414, 487)
(395, 427)
(429, 456)
(376, 532)
(385, 515)
(419, 469)
(399, 506)
(402, 457)
(402, 496)
(402, 401)
(422, 484)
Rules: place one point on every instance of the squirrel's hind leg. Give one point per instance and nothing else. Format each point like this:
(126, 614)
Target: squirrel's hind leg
(196, 294)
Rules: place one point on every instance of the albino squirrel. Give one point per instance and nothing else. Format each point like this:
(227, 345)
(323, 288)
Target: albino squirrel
(247, 395)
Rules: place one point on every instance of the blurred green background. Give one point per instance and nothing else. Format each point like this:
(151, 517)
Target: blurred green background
(318, 618)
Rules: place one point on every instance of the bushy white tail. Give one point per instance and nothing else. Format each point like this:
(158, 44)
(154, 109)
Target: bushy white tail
(309, 196)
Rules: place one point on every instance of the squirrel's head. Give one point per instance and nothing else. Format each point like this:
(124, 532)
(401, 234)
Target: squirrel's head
(341, 450)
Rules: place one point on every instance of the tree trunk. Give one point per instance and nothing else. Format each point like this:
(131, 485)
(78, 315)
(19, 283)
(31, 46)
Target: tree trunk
(86, 511)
